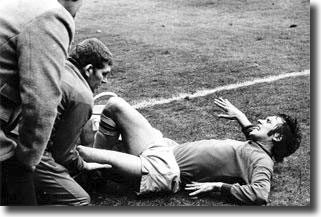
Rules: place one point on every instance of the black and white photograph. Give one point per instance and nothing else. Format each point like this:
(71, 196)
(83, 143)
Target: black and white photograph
(157, 103)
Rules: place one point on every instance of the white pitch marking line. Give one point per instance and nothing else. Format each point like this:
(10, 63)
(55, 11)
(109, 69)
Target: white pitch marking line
(152, 102)
(201, 93)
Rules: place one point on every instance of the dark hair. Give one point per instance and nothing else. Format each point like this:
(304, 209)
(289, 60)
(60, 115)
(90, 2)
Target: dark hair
(91, 51)
(291, 138)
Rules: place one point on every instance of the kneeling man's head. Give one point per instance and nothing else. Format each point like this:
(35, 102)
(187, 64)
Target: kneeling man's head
(94, 60)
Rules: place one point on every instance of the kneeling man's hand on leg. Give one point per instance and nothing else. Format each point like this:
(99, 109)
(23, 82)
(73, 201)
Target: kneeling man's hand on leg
(95, 166)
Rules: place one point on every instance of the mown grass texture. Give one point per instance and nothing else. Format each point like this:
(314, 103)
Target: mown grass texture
(165, 47)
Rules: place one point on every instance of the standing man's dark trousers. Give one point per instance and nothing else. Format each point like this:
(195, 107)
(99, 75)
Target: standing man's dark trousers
(17, 181)
(17, 185)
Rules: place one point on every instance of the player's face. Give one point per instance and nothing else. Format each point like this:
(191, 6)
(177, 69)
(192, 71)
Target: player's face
(99, 77)
(263, 127)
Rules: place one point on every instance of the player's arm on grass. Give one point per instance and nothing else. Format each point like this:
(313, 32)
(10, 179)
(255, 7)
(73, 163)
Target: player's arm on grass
(254, 193)
(231, 112)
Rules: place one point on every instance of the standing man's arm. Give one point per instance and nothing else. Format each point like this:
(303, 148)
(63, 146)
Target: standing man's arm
(42, 50)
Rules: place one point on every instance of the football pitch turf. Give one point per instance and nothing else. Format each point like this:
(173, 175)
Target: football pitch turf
(179, 48)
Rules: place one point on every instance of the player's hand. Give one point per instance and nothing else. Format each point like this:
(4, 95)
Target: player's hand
(231, 111)
(203, 187)
(96, 166)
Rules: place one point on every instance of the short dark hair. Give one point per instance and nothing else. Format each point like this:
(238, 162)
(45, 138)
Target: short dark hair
(91, 51)
(291, 138)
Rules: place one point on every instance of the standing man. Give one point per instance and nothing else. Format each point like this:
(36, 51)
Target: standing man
(34, 41)
(86, 69)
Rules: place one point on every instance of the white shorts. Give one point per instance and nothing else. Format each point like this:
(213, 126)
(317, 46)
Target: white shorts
(160, 171)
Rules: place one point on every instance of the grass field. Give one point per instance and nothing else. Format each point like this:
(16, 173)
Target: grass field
(163, 48)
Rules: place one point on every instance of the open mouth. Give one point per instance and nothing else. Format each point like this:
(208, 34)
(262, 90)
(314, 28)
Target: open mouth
(257, 127)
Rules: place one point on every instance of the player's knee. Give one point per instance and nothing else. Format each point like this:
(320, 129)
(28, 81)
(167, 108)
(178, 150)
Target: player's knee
(113, 106)
(107, 124)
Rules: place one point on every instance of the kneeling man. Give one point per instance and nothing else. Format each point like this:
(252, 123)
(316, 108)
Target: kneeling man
(86, 69)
